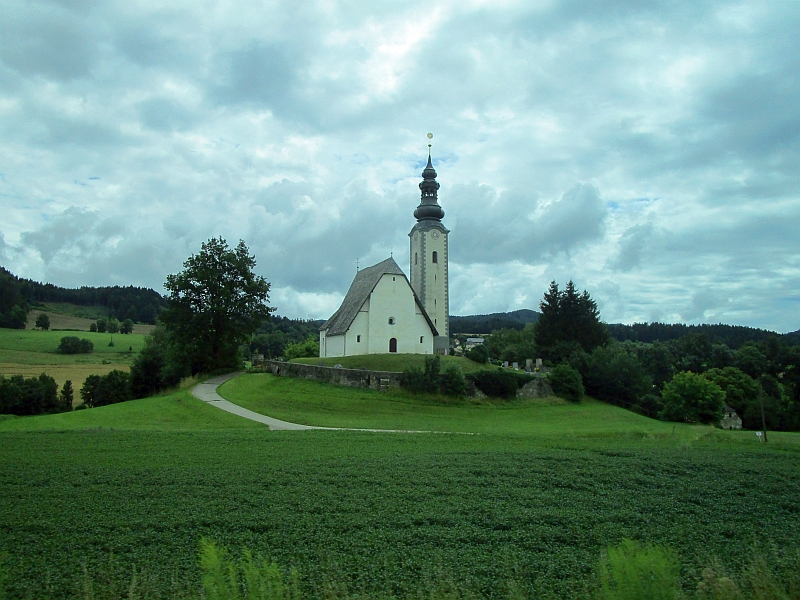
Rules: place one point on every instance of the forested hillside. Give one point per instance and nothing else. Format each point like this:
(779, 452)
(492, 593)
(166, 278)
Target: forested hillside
(487, 323)
(141, 305)
(732, 336)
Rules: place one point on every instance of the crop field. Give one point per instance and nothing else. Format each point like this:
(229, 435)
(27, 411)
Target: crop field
(393, 362)
(381, 514)
(28, 352)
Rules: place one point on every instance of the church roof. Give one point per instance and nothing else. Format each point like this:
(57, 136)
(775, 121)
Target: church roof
(359, 291)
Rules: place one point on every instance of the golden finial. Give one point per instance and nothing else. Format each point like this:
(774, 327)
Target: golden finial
(430, 137)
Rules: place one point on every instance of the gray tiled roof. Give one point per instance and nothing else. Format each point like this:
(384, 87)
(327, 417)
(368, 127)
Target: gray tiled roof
(359, 291)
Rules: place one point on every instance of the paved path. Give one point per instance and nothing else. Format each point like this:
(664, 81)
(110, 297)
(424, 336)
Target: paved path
(207, 392)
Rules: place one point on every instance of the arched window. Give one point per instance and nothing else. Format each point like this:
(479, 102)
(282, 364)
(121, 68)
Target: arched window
(358, 338)
(392, 321)
(416, 258)
(393, 345)
(435, 257)
(421, 338)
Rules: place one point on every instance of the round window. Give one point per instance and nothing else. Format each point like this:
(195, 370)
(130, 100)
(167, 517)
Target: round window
(391, 321)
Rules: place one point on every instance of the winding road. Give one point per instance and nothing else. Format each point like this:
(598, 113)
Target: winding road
(207, 392)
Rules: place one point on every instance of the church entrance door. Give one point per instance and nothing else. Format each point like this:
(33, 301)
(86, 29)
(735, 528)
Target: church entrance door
(393, 345)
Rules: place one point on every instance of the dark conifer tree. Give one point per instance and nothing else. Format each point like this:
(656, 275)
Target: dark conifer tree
(569, 321)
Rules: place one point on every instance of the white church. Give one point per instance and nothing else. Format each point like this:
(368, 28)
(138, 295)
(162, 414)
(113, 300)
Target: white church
(383, 311)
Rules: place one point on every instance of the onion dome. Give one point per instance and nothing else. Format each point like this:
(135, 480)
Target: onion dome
(429, 208)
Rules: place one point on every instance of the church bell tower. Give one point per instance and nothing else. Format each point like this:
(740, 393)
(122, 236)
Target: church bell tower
(429, 256)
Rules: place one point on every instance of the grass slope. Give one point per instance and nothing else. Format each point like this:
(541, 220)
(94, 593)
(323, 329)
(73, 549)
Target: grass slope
(315, 403)
(28, 352)
(177, 411)
(393, 362)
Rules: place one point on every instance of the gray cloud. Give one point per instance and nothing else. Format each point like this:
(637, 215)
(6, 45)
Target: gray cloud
(492, 227)
(47, 40)
(632, 246)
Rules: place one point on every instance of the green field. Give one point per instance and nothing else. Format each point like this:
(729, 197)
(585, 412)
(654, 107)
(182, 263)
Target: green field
(527, 503)
(28, 352)
(393, 362)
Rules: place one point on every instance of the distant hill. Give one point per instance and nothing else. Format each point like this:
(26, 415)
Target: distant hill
(487, 323)
(138, 304)
(731, 335)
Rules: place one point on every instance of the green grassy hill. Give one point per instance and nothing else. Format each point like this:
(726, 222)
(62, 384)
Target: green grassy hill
(393, 362)
(29, 353)
(315, 403)
(179, 411)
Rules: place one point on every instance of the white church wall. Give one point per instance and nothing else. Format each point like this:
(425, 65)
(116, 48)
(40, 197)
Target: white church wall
(393, 299)
(334, 345)
(357, 341)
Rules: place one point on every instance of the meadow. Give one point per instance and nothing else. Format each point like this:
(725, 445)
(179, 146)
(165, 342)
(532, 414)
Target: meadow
(524, 506)
(30, 352)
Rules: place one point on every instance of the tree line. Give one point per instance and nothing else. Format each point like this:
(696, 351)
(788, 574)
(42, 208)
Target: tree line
(732, 336)
(685, 378)
(140, 305)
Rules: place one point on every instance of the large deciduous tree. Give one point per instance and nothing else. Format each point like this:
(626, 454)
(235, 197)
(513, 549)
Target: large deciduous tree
(692, 397)
(215, 304)
(568, 320)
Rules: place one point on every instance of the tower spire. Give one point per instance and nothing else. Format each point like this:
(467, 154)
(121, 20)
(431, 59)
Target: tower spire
(429, 208)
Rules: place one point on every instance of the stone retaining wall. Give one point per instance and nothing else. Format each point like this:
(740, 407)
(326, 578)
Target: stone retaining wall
(376, 380)
(382, 380)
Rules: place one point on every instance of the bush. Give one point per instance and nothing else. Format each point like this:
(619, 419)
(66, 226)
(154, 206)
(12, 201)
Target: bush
(306, 349)
(43, 322)
(65, 396)
(478, 353)
(632, 571)
(108, 389)
(692, 397)
(740, 389)
(566, 383)
(72, 345)
(422, 381)
(159, 365)
(31, 396)
(452, 381)
(612, 375)
(499, 383)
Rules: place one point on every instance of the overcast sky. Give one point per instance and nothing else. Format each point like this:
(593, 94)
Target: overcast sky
(648, 151)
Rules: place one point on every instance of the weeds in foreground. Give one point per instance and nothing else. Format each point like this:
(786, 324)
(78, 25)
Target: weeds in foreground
(628, 571)
(250, 578)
